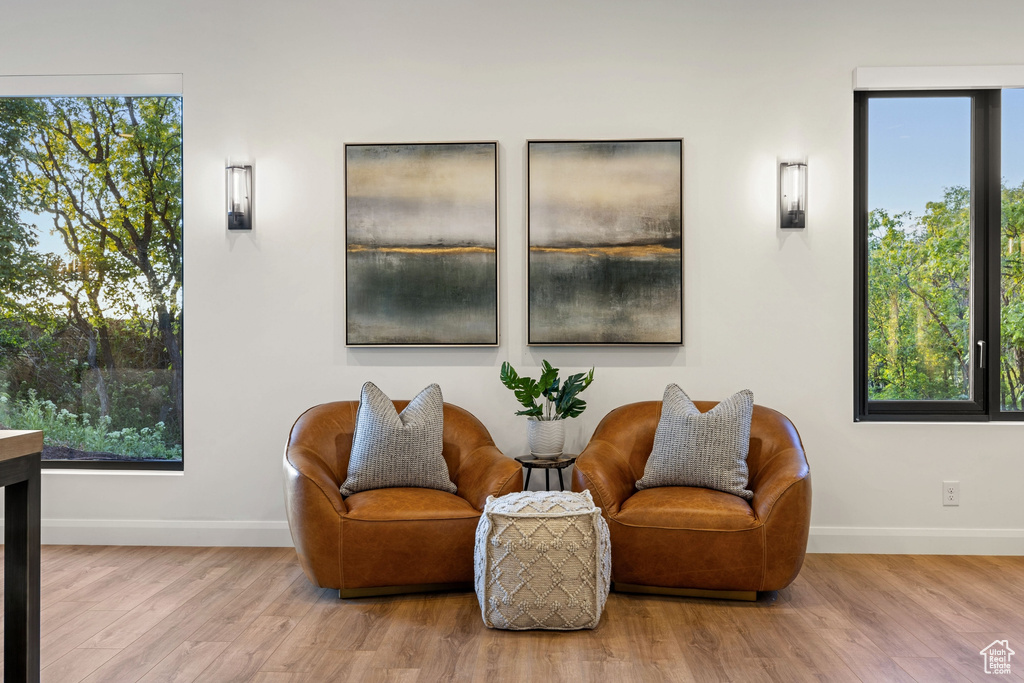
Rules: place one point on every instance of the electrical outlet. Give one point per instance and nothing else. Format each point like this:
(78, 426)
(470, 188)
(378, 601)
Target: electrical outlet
(950, 493)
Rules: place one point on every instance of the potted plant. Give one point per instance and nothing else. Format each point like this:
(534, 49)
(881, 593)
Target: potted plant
(546, 428)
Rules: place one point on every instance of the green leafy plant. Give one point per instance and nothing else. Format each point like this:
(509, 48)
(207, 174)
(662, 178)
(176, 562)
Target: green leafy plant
(79, 432)
(560, 399)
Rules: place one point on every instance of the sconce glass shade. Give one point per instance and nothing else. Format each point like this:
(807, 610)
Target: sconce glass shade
(793, 195)
(239, 197)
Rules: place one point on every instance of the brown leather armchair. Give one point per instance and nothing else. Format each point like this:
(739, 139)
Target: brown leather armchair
(388, 541)
(680, 540)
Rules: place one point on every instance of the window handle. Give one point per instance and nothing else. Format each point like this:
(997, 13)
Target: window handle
(981, 355)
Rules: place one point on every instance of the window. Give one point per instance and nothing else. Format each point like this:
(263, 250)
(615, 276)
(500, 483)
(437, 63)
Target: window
(91, 278)
(1011, 255)
(939, 271)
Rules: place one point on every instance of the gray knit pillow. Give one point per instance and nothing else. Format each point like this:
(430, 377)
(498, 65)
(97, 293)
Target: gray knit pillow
(708, 450)
(391, 450)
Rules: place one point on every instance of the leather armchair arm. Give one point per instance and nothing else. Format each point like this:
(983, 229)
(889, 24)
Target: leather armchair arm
(782, 501)
(785, 468)
(305, 468)
(315, 507)
(487, 472)
(603, 470)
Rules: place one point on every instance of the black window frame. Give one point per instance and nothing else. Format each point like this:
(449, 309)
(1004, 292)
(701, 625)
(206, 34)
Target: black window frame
(115, 465)
(126, 466)
(985, 267)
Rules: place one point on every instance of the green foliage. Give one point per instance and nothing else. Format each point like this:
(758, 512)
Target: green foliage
(50, 364)
(96, 328)
(108, 171)
(561, 399)
(919, 301)
(79, 432)
(1011, 323)
(528, 390)
(19, 265)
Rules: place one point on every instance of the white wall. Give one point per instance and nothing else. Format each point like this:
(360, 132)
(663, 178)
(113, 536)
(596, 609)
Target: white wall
(745, 83)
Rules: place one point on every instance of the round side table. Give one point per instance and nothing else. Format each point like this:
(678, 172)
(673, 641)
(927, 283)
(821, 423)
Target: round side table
(532, 462)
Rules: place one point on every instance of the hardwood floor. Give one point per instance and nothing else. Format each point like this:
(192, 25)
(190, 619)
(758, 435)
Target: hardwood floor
(249, 614)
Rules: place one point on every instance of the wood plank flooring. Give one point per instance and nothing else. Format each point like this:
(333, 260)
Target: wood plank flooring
(249, 614)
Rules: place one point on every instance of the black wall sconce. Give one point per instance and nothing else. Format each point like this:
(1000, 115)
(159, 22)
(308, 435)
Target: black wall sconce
(239, 197)
(792, 195)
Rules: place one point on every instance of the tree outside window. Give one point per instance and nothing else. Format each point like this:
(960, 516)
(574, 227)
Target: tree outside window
(940, 270)
(91, 276)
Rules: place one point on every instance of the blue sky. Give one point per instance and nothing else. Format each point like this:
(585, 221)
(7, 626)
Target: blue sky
(918, 146)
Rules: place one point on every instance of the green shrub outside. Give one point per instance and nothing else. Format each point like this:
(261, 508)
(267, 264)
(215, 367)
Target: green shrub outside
(64, 428)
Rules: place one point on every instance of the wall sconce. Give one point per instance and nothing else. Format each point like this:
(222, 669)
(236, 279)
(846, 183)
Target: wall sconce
(240, 197)
(792, 195)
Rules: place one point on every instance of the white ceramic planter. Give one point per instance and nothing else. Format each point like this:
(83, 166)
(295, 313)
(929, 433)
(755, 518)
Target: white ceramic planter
(546, 437)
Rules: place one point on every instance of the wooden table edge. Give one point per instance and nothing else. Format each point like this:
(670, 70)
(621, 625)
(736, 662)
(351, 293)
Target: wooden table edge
(15, 443)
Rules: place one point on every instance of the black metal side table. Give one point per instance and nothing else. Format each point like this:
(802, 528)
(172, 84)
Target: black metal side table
(532, 462)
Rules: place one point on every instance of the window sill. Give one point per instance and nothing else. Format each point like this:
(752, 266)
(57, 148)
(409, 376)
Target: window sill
(144, 473)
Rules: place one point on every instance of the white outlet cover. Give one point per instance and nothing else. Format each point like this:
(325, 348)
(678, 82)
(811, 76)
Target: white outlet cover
(951, 493)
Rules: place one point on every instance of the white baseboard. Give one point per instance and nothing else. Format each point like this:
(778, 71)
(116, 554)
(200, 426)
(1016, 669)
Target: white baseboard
(164, 532)
(915, 541)
(879, 540)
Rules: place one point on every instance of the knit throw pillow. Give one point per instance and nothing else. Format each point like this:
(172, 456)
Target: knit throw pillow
(708, 450)
(391, 449)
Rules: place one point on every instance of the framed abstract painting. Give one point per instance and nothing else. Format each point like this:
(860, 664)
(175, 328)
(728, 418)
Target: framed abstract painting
(605, 222)
(421, 242)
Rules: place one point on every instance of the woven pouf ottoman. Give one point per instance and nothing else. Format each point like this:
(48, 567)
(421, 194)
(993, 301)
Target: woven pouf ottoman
(542, 561)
